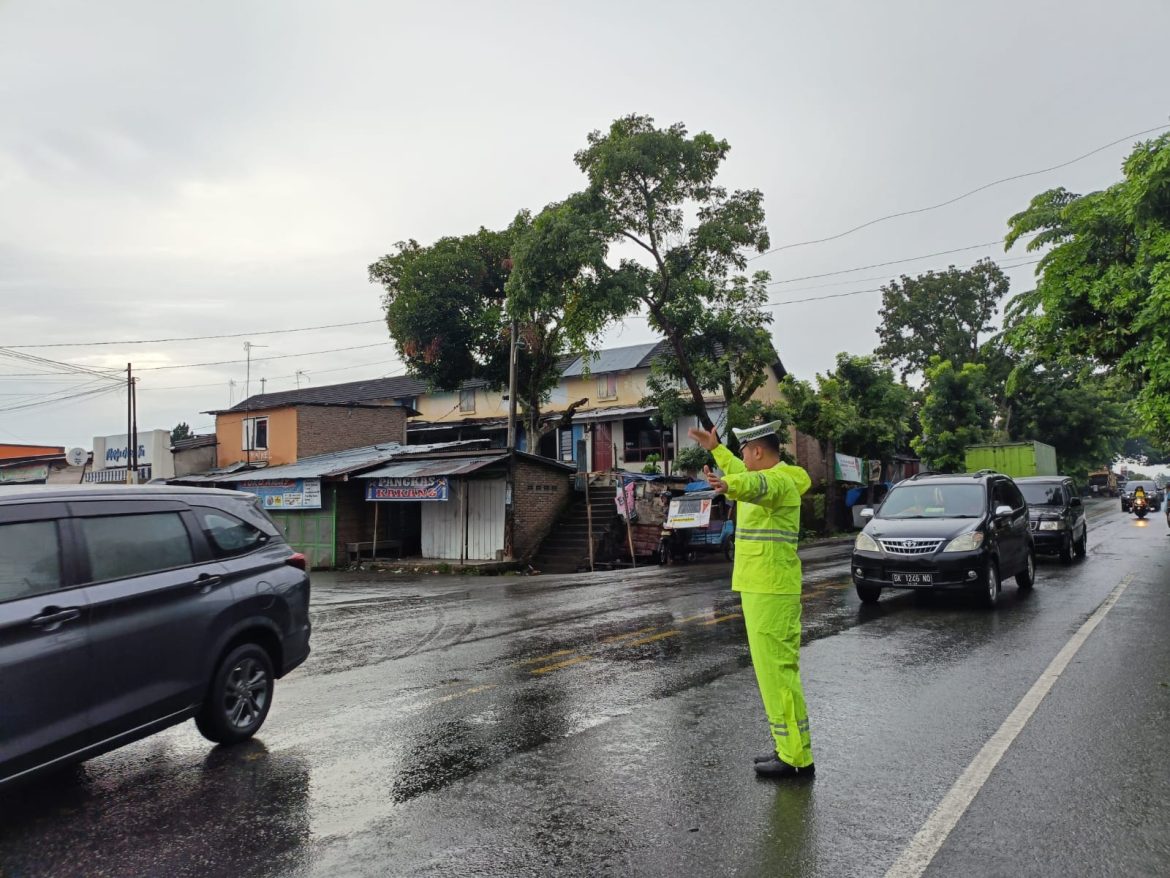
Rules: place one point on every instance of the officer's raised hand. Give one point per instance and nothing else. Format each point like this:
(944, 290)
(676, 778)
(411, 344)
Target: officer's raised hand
(707, 439)
(717, 484)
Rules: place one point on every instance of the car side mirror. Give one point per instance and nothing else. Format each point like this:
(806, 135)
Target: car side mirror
(1075, 501)
(1003, 511)
(867, 512)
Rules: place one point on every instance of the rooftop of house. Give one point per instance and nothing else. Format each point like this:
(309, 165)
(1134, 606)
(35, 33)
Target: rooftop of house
(621, 359)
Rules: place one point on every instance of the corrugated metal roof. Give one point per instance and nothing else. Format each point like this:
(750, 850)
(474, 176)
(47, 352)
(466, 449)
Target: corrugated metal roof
(612, 414)
(336, 463)
(406, 469)
(613, 360)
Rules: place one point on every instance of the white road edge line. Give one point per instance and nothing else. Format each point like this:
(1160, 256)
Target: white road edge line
(930, 838)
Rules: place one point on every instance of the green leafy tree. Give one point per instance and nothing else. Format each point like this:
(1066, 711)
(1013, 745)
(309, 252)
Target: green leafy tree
(957, 411)
(1103, 289)
(1077, 412)
(939, 314)
(563, 294)
(644, 183)
(884, 408)
(825, 413)
(182, 431)
(447, 309)
(729, 357)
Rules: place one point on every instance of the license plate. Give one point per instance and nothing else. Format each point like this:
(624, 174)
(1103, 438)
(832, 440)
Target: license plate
(912, 578)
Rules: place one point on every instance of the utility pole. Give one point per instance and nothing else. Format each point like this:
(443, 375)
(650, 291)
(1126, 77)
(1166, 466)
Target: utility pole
(129, 416)
(263, 385)
(134, 428)
(512, 356)
(249, 428)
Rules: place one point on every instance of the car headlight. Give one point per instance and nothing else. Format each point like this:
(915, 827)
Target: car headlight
(966, 543)
(865, 543)
(1052, 525)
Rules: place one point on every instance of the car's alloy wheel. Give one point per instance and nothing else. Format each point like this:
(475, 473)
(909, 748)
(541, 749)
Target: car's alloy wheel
(1026, 578)
(991, 585)
(239, 697)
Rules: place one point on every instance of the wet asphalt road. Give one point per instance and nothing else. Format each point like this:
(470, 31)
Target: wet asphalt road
(604, 724)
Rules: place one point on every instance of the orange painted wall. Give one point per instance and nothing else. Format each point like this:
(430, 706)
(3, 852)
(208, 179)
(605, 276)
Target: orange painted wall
(282, 437)
(11, 452)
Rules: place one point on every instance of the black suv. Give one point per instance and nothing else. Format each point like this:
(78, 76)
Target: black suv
(126, 610)
(945, 532)
(1057, 516)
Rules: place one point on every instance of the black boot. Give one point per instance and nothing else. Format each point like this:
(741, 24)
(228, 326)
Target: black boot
(779, 769)
(765, 757)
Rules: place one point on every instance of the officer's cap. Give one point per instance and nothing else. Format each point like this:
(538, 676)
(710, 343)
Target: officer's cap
(747, 434)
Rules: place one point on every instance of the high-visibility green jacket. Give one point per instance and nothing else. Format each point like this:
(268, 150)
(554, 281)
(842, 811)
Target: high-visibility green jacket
(767, 524)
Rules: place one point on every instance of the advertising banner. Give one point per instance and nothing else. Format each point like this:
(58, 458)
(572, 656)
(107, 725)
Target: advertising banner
(405, 489)
(686, 513)
(286, 493)
(850, 469)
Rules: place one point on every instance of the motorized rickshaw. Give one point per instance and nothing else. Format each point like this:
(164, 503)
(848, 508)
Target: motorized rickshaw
(698, 521)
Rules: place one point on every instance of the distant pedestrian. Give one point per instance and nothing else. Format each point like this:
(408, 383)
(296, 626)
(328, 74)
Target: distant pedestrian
(768, 577)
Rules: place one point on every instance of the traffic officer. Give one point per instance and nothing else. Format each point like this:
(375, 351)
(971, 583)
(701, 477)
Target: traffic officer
(767, 576)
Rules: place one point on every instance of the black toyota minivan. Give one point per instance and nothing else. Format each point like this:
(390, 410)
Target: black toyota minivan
(937, 532)
(124, 610)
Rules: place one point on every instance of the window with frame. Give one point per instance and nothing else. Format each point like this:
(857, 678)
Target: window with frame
(255, 434)
(607, 386)
(467, 400)
(30, 559)
(228, 535)
(121, 546)
(643, 438)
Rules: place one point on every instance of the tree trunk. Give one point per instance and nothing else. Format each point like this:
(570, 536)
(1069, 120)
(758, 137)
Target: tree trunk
(829, 449)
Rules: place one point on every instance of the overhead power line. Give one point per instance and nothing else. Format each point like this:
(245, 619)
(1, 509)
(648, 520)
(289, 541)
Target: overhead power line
(91, 344)
(949, 201)
(791, 280)
(259, 359)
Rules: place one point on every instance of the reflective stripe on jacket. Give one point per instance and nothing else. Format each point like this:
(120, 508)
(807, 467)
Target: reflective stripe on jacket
(767, 524)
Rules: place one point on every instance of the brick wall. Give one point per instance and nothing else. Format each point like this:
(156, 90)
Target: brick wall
(321, 429)
(541, 495)
(808, 455)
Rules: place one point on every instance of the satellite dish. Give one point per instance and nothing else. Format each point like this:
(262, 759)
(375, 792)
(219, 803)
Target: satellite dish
(77, 456)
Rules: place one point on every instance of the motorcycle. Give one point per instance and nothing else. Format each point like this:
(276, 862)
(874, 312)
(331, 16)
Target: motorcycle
(1140, 507)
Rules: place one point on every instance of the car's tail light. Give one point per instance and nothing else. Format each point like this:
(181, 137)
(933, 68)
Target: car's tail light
(297, 560)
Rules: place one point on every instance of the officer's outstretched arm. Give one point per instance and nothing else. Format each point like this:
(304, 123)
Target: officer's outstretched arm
(727, 461)
(768, 488)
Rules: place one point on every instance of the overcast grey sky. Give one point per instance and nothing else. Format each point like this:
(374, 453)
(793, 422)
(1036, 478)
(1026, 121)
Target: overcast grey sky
(181, 169)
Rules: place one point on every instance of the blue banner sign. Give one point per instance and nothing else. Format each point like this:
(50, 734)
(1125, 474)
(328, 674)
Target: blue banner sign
(421, 488)
(286, 493)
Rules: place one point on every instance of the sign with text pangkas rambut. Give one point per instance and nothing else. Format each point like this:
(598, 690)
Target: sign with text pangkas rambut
(412, 488)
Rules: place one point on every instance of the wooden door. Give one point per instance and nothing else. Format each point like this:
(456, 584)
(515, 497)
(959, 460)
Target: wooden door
(602, 448)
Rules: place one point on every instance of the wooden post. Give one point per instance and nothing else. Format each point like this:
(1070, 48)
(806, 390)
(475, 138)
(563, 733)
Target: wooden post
(463, 519)
(589, 521)
(374, 542)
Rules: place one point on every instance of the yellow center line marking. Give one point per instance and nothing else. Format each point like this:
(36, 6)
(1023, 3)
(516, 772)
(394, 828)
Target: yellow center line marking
(719, 619)
(465, 692)
(619, 637)
(559, 665)
(653, 637)
(544, 658)
(706, 615)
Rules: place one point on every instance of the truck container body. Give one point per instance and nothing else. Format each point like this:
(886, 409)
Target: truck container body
(1015, 459)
